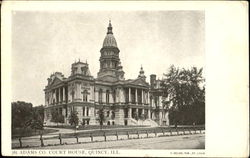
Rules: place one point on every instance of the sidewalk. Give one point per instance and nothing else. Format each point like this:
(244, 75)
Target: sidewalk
(196, 141)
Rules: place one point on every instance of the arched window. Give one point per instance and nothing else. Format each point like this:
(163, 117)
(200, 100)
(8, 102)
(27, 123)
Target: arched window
(85, 96)
(107, 96)
(100, 96)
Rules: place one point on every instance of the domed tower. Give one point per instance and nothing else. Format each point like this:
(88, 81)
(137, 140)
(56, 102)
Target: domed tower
(141, 74)
(110, 67)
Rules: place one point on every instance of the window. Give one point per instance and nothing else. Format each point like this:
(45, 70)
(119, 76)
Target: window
(85, 96)
(73, 95)
(83, 111)
(100, 96)
(114, 96)
(107, 96)
(113, 115)
(156, 103)
(87, 111)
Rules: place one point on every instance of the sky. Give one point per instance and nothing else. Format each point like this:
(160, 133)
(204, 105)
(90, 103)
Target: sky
(47, 42)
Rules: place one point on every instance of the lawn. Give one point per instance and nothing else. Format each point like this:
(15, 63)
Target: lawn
(113, 130)
(91, 127)
(17, 132)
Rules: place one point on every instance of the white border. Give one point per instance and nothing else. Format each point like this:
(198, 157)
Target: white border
(227, 111)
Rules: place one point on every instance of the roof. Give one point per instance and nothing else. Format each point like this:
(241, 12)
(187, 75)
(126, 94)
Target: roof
(109, 40)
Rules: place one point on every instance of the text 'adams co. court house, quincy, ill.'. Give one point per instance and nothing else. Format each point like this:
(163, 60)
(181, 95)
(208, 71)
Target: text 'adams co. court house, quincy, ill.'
(124, 101)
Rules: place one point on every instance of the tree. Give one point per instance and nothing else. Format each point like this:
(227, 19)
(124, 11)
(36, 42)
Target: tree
(21, 113)
(36, 120)
(184, 97)
(101, 116)
(39, 110)
(143, 117)
(56, 116)
(135, 115)
(73, 118)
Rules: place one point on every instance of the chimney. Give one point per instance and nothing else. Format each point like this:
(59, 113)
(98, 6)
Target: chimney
(152, 80)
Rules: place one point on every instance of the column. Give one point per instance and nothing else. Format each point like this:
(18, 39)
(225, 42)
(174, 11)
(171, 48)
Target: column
(129, 112)
(136, 97)
(51, 97)
(85, 111)
(119, 95)
(160, 116)
(143, 111)
(104, 96)
(149, 113)
(56, 91)
(111, 99)
(59, 94)
(129, 95)
(63, 94)
(142, 97)
(148, 98)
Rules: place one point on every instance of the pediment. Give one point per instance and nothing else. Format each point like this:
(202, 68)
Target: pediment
(139, 81)
(56, 81)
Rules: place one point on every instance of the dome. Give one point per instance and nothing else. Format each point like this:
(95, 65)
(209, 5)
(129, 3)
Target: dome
(109, 41)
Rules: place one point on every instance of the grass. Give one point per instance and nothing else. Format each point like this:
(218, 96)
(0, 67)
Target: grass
(129, 129)
(17, 132)
(91, 127)
(107, 130)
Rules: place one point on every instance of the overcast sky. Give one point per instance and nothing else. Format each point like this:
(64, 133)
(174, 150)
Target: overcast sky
(46, 42)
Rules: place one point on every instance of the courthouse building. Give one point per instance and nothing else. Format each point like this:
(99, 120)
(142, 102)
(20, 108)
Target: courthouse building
(124, 101)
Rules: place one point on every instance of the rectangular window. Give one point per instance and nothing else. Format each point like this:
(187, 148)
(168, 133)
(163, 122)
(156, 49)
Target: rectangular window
(83, 110)
(87, 111)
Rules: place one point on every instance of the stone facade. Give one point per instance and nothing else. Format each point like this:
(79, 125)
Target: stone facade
(125, 102)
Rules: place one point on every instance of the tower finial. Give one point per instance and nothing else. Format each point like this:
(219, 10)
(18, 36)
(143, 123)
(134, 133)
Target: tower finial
(110, 28)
